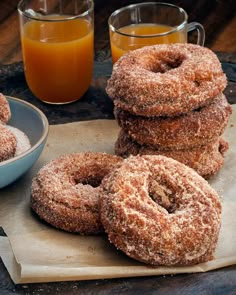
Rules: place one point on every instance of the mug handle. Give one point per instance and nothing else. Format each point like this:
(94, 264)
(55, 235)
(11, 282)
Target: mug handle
(200, 32)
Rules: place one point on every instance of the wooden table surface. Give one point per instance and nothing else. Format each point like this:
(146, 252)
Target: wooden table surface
(219, 20)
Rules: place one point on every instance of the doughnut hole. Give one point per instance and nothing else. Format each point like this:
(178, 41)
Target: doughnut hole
(163, 63)
(161, 194)
(171, 64)
(93, 180)
(196, 83)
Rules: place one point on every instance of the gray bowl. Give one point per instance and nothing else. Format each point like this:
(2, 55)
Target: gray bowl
(34, 124)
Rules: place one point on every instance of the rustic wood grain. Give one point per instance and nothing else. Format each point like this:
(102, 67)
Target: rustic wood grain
(220, 282)
(218, 18)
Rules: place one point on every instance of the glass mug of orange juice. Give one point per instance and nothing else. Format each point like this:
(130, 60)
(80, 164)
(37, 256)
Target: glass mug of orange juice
(57, 39)
(149, 23)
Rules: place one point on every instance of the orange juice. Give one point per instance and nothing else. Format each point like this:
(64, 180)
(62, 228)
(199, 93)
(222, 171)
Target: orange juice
(149, 34)
(58, 58)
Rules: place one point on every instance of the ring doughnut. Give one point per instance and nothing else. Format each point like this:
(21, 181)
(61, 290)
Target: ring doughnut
(165, 79)
(65, 191)
(160, 212)
(206, 160)
(195, 128)
(5, 112)
(7, 143)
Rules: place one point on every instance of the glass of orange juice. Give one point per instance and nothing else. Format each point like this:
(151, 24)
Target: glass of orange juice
(149, 23)
(57, 39)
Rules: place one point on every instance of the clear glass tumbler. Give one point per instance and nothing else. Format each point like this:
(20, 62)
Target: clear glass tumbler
(57, 40)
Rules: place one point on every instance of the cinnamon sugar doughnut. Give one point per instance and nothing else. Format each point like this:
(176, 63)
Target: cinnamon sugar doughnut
(166, 79)
(206, 160)
(195, 128)
(7, 143)
(160, 212)
(65, 192)
(5, 112)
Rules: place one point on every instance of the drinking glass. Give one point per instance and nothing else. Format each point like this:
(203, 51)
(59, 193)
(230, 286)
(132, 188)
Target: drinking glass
(57, 38)
(149, 23)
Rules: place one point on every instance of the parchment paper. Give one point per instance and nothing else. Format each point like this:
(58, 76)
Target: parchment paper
(36, 252)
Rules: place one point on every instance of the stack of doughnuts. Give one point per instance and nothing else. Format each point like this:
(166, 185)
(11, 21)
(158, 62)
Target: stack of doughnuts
(169, 101)
(12, 140)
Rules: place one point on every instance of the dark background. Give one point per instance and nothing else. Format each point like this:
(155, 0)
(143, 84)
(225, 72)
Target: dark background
(217, 16)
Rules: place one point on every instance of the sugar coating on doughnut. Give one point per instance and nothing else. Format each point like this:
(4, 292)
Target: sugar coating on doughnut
(65, 191)
(5, 112)
(206, 160)
(198, 127)
(160, 212)
(7, 143)
(166, 79)
(22, 140)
